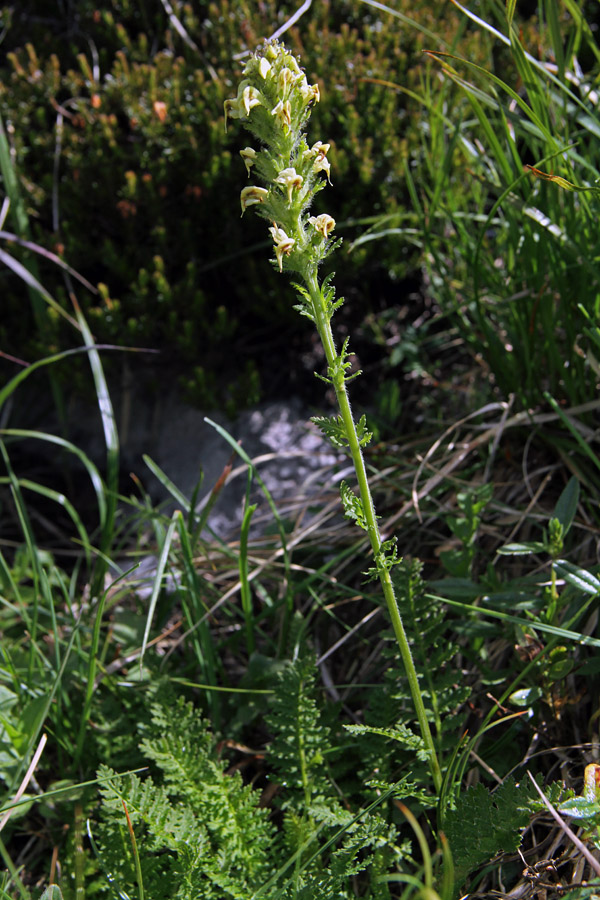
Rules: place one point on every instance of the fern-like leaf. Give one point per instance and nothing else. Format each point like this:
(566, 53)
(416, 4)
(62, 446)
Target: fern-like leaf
(390, 706)
(399, 733)
(296, 752)
(165, 834)
(386, 558)
(365, 848)
(183, 747)
(328, 290)
(353, 508)
(333, 429)
(304, 305)
(201, 833)
(425, 620)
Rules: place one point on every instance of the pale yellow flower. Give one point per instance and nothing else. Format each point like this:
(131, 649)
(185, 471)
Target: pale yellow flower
(309, 91)
(232, 110)
(250, 97)
(290, 179)
(283, 244)
(251, 195)
(248, 154)
(240, 107)
(283, 112)
(286, 77)
(318, 152)
(320, 149)
(323, 224)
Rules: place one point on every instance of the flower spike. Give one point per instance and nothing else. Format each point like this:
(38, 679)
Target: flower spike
(274, 103)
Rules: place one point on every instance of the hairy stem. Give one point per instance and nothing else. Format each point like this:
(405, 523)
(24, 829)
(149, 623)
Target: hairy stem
(326, 335)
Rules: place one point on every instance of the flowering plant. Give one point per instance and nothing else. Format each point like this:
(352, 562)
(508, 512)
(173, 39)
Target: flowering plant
(274, 102)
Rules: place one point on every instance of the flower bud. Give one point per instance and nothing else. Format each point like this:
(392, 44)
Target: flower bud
(264, 67)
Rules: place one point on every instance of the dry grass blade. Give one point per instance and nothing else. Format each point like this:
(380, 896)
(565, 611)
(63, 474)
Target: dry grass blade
(26, 779)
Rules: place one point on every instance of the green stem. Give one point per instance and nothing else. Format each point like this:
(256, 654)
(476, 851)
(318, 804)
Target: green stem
(326, 335)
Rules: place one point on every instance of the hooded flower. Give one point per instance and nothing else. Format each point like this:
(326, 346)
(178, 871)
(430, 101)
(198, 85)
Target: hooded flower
(248, 154)
(252, 195)
(323, 224)
(309, 92)
(283, 112)
(264, 66)
(283, 244)
(290, 179)
(247, 97)
(319, 152)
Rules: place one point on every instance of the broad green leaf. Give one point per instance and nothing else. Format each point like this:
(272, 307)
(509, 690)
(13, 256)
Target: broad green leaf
(525, 549)
(579, 578)
(580, 808)
(525, 697)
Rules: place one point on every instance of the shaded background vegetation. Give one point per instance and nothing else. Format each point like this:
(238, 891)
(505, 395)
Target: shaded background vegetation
(116, 128)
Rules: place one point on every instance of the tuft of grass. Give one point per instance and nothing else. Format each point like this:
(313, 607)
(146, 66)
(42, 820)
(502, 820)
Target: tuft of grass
(507, 199)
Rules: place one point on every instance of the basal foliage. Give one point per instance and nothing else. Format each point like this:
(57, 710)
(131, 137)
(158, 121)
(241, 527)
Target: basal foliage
(201, 832)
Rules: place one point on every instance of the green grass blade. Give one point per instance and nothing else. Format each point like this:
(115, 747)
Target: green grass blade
(538, 101)
(111, 439)
(510, 11)
(28, 274)
(551, 10)
(158, 579)
(564, 634)
(9, 586)
(21, 376)
(581, 442)
(245, 584)
(406, 20)
(47, 254)
(62, 501)
(42, 714)
(14, 873)
(530, 113)
(166, 482)
(91, 469)
(34, 285)
(195, 610)
(280, 527)
(542, 69)
(30, 542)
(576, 12)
